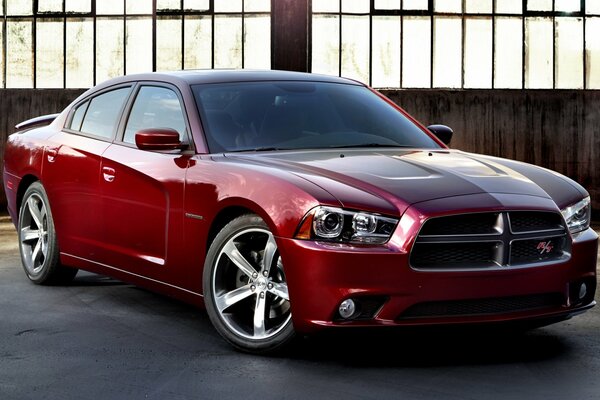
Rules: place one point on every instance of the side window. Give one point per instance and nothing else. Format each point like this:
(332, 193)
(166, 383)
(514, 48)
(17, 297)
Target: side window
(78, 116)
(104, 112)
(155, 107)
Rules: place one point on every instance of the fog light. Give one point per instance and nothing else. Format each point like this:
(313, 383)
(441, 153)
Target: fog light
(347, 308)
(582, 291)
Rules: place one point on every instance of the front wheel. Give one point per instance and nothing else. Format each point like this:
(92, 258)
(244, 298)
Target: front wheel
(37, 240)
(245, 289)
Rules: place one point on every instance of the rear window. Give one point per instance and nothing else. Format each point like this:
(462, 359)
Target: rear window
(100, 116)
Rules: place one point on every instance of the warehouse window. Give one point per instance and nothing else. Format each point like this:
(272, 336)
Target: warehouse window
(503, 44)
(78, 43)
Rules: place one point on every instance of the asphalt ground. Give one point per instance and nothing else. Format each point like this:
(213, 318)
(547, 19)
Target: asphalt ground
(102, 339)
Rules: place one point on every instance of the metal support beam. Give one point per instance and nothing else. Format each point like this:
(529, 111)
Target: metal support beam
(290, 35)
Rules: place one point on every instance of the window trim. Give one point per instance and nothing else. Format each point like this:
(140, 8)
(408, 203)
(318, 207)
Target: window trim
(89, 98)
(118, 139)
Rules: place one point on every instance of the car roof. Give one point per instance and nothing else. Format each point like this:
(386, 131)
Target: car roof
(194, 77)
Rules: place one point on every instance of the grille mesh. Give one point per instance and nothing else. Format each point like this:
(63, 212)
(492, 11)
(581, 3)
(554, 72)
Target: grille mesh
(470, 224)
(430, 255)
(483, 306)
(522, 221)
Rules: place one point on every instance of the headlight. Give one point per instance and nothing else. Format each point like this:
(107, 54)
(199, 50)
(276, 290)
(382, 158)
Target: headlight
(337, 225)
(578, 215)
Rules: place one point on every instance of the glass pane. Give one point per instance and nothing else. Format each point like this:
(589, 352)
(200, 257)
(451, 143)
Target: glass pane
(49, 53)
(168, 4)
(509, 6)
(196, 5)
(326, 6)
(104, 112)
(155, 107)
(19, 54)
(197, 42)
(540, 5)
(447, 52)
(109, 7)
(1, 14)
(80, 6)
(257, 39)
(48, 5)
(416, 52)
(415, 4)
(228, 5)
(478, 53)
(78, 116)
(355, 47)
(387, 4)
(355, 6)
(592, 48)
(592, 7)
(19, 7)
(325, 44)
(109, 48)
(568, 5)
(539, 70)
(257, 5)
(569, 53)
(479, 6)
(450, 6)
(80, 53)
(228, 49)
(508, 56)
(385, 69)
(139, 7)
(138, 45)
(168, 44)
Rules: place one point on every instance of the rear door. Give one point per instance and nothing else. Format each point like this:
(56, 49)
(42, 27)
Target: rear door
(71, 170)
(142, 191)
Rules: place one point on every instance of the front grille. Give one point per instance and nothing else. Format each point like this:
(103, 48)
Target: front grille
(498, 305)
(490, 240)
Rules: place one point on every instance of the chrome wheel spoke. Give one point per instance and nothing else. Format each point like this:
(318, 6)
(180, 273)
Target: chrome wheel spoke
(230, 298)
(28, 234)
(238, 259)
(35, 213)
(269, 254)
(259, 316)
(280, 290)
(35, 254)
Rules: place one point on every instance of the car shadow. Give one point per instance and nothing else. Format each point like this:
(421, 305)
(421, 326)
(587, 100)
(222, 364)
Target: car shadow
(430, 347)
(84, 278)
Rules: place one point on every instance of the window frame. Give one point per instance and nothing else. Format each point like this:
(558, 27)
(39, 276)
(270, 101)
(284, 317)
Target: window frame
(187, 144)
(67, 129)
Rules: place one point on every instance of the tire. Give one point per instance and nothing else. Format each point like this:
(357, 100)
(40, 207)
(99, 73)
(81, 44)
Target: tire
(245, 290)
(37, 240)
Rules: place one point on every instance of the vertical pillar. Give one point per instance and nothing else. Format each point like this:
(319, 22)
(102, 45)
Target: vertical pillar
(290, 35)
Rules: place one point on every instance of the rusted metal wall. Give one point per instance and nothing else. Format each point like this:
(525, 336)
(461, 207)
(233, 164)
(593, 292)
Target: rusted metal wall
(557, 129)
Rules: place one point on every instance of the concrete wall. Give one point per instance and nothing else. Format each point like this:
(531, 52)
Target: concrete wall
(557, 129)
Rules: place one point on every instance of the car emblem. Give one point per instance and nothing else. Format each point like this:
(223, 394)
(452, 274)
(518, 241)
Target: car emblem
(545, 247)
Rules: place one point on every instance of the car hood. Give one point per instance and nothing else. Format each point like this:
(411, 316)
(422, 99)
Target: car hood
(403, 178)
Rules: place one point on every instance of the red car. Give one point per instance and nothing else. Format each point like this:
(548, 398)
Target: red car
(286, 203)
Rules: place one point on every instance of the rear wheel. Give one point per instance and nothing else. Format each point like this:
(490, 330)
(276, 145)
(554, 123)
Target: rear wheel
(37, 240)
(245, 288)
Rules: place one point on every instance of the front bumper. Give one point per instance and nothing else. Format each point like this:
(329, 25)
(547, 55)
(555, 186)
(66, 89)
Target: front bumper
(320, 276)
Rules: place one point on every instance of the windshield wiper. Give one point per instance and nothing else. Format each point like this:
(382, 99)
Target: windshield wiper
(258, 149)
(348, 146)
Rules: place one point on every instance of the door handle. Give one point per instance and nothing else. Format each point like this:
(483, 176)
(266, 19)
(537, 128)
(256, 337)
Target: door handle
(108, 173)
(51, 154)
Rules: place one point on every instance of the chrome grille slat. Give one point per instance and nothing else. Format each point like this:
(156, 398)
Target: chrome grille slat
(498, 235)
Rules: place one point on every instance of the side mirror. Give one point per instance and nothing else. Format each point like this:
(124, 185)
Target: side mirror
(443, 132)
(157, 139)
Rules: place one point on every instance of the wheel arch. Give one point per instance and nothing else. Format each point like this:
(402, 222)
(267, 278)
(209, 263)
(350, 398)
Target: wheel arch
(26, 181)
(230, 209)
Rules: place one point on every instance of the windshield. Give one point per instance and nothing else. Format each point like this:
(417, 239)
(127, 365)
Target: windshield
(254, 116)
